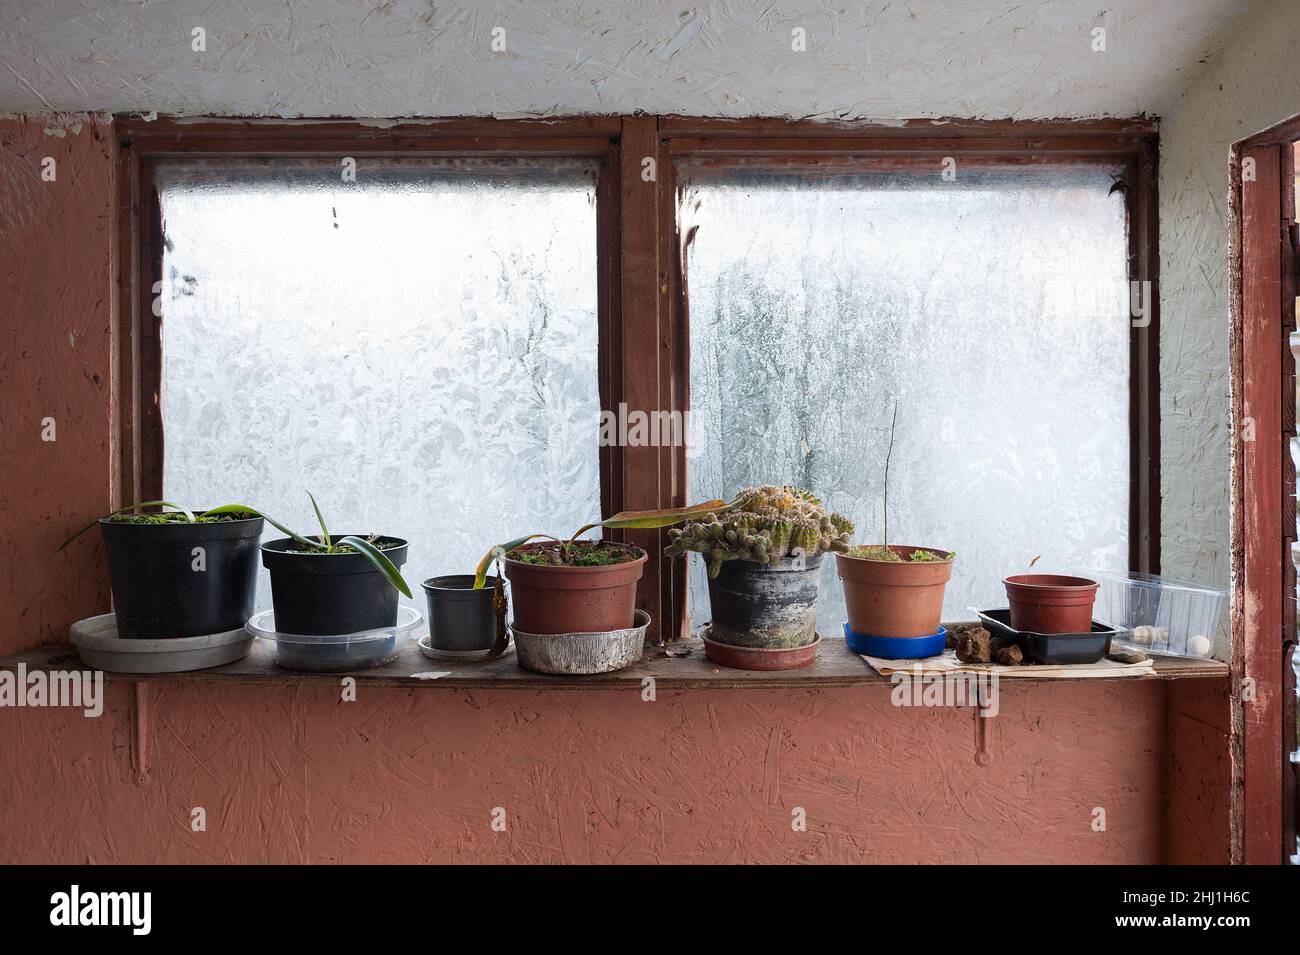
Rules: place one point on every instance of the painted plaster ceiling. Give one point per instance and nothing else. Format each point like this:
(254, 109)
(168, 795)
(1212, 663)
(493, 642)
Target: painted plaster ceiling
(881, 60)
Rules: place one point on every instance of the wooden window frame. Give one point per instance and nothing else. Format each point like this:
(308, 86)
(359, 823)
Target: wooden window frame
(1263, 314)
(642, 307)
(137, 452)
(818, 147)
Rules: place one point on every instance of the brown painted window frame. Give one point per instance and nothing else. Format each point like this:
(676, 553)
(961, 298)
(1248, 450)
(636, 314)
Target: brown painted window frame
(1263, 315)
(642, 303)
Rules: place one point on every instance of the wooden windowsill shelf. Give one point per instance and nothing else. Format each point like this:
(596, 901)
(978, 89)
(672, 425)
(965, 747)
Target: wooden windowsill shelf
(834, 667)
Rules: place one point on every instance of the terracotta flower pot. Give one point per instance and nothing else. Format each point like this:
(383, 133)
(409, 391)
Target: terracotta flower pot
(894, 598)
(1050, 603)
(548, 598)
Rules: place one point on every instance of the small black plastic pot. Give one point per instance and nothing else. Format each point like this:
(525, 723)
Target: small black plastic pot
(182, 579)
(461, 619)
(317, 594)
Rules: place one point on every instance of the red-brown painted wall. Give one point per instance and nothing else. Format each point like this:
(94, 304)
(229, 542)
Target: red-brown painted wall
(54, 364)
(294, 774)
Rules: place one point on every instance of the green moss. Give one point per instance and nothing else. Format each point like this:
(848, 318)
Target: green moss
(877, 552)
(175, 517)
(929, 557)
(580, 555)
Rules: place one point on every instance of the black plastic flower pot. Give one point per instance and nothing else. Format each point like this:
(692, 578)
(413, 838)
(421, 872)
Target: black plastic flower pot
(461, 619)
(318, 594)
(182, 579)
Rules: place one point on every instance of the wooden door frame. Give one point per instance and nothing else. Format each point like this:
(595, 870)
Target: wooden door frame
(1262, 178)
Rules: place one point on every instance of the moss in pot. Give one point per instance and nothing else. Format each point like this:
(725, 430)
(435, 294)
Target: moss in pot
(894, 590)
(331, 586)
(580, 586)
(180, 573)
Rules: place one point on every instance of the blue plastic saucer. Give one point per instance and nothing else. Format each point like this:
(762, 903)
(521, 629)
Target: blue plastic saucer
(897, 648)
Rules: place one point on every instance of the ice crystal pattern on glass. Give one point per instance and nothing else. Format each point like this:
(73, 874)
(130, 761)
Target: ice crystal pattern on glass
(418, 348)
(993, 309)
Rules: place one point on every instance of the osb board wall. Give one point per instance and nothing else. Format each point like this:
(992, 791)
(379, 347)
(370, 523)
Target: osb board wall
(1198, 782)
(54, 358)
(297, 775)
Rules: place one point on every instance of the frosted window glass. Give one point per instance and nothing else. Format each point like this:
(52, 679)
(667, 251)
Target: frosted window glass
(417, 348)
(994, 310)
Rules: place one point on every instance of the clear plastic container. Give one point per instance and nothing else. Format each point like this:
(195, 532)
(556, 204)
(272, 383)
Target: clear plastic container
(1159, 614)
(335, 653)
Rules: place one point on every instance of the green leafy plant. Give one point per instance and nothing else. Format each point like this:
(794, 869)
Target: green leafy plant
(324, 544)
(570, 552)
(766, 524)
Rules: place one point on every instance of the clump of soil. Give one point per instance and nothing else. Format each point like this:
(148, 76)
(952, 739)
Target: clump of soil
(176, 517)
(579, 554)
(974, 644)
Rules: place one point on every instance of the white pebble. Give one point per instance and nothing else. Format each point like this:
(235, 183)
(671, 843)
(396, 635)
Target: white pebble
(1198, 646)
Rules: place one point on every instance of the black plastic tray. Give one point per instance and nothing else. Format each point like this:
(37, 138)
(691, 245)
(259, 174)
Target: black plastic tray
(1053, 648)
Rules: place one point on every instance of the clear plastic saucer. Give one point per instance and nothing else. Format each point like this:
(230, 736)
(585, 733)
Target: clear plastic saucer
(335, 652)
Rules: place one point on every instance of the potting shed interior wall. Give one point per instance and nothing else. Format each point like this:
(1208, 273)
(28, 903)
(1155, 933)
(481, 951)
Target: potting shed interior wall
(709, 770)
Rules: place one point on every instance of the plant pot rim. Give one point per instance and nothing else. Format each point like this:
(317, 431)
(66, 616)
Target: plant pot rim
(784, 565)
(431, 585)
(641, 557)
(272, 547)
(895, 548)
(640, 621)
(1051, 582)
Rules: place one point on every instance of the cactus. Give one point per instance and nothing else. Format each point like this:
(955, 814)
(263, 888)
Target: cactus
(766, 525)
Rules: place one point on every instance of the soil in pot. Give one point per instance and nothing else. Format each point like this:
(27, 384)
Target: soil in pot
(176, 578)
(1051, 603)
(315, 593)
(594, 593)
(765, 606)
(461, 619)
(899, 597)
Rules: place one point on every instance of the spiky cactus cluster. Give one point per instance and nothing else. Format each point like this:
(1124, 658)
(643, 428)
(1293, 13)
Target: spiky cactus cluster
(768, 524)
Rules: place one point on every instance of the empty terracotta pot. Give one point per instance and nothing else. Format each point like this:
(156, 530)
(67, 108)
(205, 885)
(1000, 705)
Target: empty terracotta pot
(548, 598)
(1051, 603)
(894, 598)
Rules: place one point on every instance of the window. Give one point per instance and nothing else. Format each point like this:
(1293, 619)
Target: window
(430, 347)
(992, 308)
(418, 347)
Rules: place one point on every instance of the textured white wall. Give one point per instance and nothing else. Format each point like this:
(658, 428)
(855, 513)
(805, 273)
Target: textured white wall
(885, 59)
(1254, 84)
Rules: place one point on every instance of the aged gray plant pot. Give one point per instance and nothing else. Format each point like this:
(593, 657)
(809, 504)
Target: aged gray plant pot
(769, 607)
